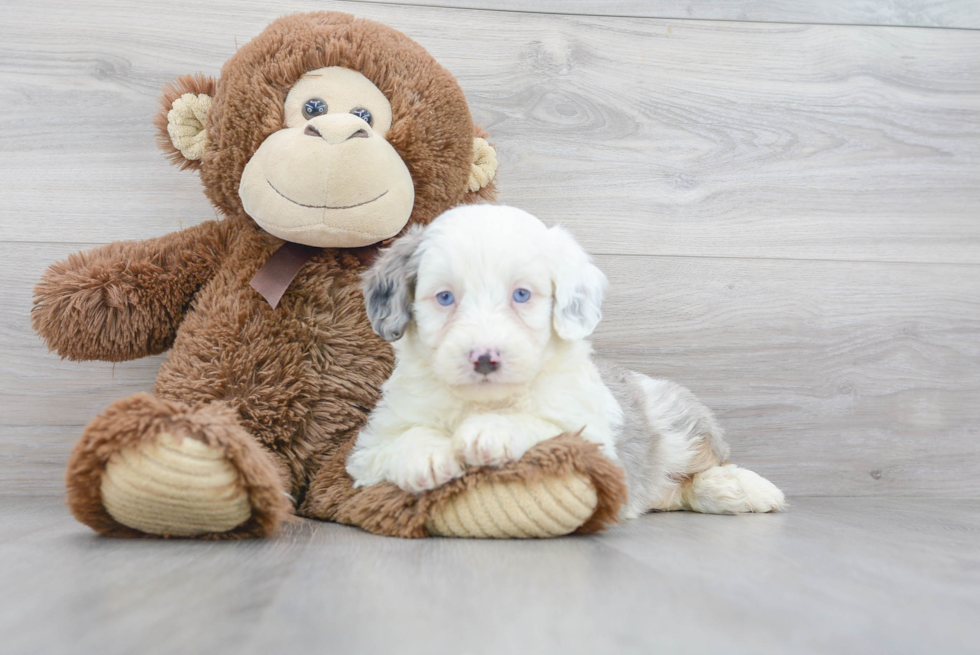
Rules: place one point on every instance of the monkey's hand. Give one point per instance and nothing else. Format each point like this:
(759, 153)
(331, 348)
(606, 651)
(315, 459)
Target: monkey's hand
(125, 300)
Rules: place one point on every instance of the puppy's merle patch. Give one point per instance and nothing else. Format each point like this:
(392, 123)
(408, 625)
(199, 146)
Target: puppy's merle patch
(389, 286)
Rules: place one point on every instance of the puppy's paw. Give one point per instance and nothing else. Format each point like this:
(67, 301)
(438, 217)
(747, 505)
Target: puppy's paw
(489, 440)
(730, 489)
(426, 467)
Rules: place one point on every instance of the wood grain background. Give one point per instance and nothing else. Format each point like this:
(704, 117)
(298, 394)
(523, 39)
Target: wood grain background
(786, 200)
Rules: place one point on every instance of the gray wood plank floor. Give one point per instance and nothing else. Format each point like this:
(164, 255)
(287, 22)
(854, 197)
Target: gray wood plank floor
(789, 213)
(834, 575)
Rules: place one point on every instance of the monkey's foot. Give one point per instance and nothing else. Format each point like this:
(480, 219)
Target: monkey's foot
(174, 486)
(559, 486)
(149, 467)
(551, 506)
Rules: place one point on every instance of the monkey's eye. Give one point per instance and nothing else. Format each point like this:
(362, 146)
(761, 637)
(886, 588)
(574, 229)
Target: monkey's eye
(314, 107)
(522, 295)
(445, 298)
(362, 113)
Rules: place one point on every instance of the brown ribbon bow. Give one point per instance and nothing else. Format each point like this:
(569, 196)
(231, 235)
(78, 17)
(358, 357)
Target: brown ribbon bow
(275, 276)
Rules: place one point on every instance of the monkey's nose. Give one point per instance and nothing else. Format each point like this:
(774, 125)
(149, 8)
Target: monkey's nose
(486, 363)
(336, 133)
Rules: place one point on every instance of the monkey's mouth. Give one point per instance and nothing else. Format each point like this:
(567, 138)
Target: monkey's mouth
(360, 204)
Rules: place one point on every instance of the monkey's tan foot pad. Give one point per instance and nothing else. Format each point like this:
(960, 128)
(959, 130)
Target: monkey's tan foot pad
(174, 486)
(551, 506)
(149, 467)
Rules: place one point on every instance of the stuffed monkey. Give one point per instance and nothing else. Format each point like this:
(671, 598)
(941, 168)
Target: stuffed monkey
(324, 137)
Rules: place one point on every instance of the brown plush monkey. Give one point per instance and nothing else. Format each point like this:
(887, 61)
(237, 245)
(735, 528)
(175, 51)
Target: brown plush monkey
(324, 136)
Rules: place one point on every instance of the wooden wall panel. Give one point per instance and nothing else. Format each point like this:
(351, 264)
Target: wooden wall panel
(961, 14)
(789, 213)
(832, 378)
(694, 138)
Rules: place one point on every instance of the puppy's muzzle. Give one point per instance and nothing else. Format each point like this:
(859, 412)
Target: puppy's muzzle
(485, 362)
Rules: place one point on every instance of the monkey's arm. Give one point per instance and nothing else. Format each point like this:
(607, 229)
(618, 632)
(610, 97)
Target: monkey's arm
(125, 300)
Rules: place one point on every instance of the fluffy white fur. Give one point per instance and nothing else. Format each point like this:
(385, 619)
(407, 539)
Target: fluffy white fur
(481, 379)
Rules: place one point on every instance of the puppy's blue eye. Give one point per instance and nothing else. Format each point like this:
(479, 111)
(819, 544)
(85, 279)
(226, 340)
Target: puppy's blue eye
(522, 295)
(362, 113)
(445, 298)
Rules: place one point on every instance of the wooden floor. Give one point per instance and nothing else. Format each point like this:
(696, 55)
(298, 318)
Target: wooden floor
(836, 575)
(786, 199)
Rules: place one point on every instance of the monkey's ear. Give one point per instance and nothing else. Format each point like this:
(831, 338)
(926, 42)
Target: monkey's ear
(483, 168)
(181, 121)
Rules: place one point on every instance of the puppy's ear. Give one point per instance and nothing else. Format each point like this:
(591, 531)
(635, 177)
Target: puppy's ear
(390, 284)
(579, 287)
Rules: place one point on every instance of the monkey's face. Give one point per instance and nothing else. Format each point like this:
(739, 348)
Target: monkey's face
(329, 130)
(329, 178)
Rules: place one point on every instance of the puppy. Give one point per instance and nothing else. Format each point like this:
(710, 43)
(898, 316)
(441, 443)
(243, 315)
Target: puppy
(489, 312)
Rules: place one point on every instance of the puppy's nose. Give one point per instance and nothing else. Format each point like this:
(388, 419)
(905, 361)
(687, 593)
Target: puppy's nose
(485, 362)
(484, 365)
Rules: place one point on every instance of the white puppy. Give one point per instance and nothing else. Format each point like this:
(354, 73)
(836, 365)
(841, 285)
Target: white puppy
(489, 311)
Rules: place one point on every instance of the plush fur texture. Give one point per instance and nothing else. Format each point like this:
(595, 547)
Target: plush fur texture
(282, 390)
(489, 311)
